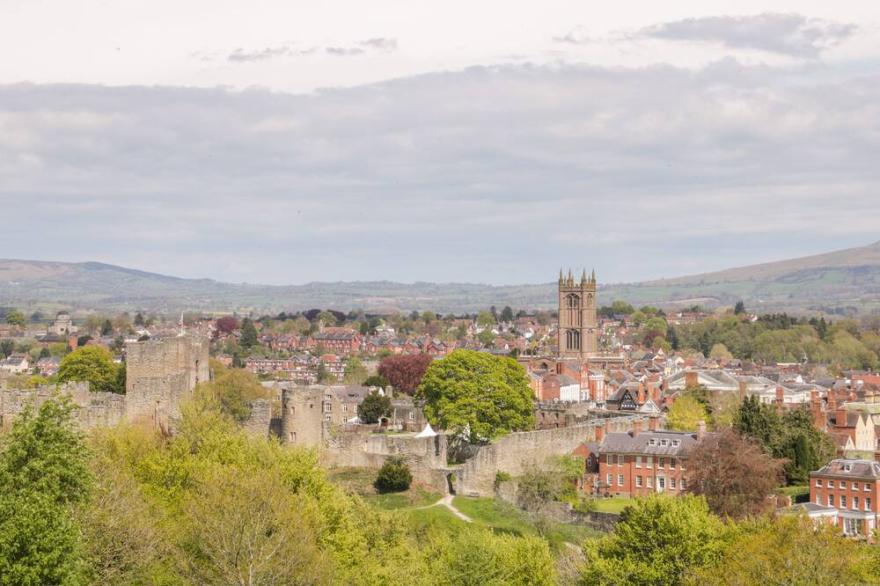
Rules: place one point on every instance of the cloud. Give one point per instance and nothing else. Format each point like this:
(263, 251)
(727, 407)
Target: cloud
(377, 45)
(787, 34)
(644, 172)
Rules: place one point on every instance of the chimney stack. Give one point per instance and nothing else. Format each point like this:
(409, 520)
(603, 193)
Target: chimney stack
(691, 379)
(701, 430)
(652, 423)
(636, 428)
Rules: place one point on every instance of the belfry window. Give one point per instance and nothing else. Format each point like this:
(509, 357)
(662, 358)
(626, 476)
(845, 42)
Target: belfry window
(573, 340)
(573, 301)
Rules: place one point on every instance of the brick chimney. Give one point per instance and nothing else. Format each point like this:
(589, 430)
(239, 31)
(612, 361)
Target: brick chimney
(701, 430)
(641, 393)
(780, 399)
(691, 379)
(652, 423)
(743, 386)
(600, 434)
(840, 417)
(636, 428)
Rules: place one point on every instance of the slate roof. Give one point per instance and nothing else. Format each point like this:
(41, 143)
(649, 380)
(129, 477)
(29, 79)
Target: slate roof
(640, 443)
(850, 468)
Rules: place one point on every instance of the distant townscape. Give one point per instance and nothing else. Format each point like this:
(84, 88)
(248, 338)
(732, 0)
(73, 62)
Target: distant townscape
(557, 418)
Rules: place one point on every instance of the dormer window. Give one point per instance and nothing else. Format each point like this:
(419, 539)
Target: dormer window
(847, 467)
(652, 442)
(676, 443)
(664, 442)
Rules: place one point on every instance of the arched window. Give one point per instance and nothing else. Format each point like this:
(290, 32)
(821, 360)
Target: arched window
(573, 301)
(573, 340)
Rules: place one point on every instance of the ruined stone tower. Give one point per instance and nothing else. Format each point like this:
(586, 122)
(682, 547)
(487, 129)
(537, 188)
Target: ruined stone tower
(302, 416)
(578, 324)
(160, 374)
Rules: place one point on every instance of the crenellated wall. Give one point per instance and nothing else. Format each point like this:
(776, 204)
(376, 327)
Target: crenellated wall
(93, 409)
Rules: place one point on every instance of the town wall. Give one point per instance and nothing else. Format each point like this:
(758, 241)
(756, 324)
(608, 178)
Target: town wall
(521, 451)
(260, 419)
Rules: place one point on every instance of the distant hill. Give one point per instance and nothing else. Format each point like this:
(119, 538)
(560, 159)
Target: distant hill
(839, 282)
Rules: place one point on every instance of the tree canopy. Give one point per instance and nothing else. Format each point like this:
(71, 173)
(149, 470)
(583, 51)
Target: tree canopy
(95, 365)
(405, 372)
(477, 395)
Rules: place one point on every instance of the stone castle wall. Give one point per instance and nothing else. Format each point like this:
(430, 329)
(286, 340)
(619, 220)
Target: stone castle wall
(93, 409)
(260, 419)
(519, 452)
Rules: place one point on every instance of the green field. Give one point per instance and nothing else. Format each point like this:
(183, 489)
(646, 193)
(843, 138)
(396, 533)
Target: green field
(614, 504)
(360, 481)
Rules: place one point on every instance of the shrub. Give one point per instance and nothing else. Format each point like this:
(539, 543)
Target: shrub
(394, 476)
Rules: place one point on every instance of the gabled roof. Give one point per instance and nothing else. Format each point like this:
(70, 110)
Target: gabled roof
(641, 443)
(850, 468)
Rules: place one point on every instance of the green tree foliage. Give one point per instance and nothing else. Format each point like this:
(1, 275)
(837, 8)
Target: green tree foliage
(393, 476)
(486, 338)
(94, 365)
(7, 347)
(376, 380)
(790, 550)
(686, 412)
(507, 314)
(106, 327)
(355, 371)
(485, 319)
(659, 540)
(792, 437)
(43, 474)
(739, 308)
(374, 407)
(484, 394)
(248, 334)
(234, 389)
(16, 318)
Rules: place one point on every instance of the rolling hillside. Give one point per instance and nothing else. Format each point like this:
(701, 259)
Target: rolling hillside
(837, 282)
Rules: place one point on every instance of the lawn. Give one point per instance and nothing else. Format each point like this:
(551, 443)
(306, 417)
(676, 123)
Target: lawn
(503, 517)
(614, 504)
(360, 481)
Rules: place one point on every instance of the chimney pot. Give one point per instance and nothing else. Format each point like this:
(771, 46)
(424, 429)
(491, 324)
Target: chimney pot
(701, 429)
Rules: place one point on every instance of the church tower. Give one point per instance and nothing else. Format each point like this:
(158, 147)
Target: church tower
(578, 324)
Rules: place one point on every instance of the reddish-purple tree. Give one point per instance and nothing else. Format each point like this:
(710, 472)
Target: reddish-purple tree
(227, 324)
(405, 373)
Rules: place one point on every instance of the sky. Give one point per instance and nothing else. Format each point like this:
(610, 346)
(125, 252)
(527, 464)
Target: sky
(285, 142)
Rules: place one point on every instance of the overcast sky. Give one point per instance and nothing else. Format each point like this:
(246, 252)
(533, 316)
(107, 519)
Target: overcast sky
(490, 141)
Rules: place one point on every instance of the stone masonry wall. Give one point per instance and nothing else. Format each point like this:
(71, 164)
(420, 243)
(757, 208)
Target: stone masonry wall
(260, 419)
(93, 409)
(518, 452)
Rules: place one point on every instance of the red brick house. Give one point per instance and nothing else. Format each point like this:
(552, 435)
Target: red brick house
(338, 340)
(638, 463)
(846, 492)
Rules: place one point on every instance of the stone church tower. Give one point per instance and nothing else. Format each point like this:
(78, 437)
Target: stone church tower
(578, 323)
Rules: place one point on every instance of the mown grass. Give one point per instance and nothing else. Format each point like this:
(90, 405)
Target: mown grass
(614, 504)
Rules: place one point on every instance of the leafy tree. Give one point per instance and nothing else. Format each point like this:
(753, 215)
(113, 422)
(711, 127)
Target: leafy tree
(248, 334)
(43, 473)
(234, 389)
(376, 380)
(7, 347)
(405, 373)
(659, 541)
(507, 314)
(803, 447)
(686, 412)
(355, 371)
(758, 421)
(789, 550)
(740, 308)
(226, 324)
(486, 338)
(476, 395)
(374, 407)
(733, 474)
(16, 318)
(139, 319)
(45, 353)
(720, 352)
(485, 319)
(393, 476)
(106, 328)
(94, 365)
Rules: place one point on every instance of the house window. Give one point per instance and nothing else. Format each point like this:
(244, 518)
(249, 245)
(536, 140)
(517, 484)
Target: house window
(672, 483)
(867, 487)
(847, 468)
(867, 503)
(620, 480)
(620, 459)
(650, 482)
(652, 442)
(830, 500)
(843, 501)
(650, 461)
(664, 442)
(639, 481)
(682, 484)
(830, 484)
(676, 443)
(818, 482)
(855, 486)
(843, 484)
(608, 479)
(609, 459)
(855, 503)
(638, 461)
(818, 499)
(661, 462)
(671, 463)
